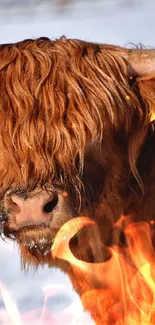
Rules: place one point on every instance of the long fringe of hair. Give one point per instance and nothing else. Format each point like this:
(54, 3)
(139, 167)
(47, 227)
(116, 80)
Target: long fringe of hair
(57, 98)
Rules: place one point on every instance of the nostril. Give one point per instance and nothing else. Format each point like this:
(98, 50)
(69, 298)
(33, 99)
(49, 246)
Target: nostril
(49, 206)
(13, 206)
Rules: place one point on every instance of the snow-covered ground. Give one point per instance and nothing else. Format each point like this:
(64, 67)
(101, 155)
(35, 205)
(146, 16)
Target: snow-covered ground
(109, 21)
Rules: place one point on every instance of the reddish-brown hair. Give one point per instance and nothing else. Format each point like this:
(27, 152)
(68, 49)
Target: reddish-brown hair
(59, 97)
(80, 114)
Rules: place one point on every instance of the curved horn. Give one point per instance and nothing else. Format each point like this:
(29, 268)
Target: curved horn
(142, 61)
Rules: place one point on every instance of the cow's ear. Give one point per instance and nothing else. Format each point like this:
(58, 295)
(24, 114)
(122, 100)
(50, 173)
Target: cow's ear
(142, 61)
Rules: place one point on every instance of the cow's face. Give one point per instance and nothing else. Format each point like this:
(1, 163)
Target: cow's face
(33, 216)
(59, 117)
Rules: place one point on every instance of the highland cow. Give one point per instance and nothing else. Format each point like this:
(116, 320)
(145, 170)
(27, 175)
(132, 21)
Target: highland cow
(76, 138)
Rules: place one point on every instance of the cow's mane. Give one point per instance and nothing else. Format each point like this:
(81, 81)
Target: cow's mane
(75, 95)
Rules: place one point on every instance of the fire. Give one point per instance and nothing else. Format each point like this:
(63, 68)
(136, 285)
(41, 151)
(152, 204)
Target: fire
(121, 289)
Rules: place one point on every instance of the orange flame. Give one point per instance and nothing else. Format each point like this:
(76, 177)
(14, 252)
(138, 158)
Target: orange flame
(125, 291)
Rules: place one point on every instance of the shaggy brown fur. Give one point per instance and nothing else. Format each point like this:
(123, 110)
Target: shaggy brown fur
(75, 116)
